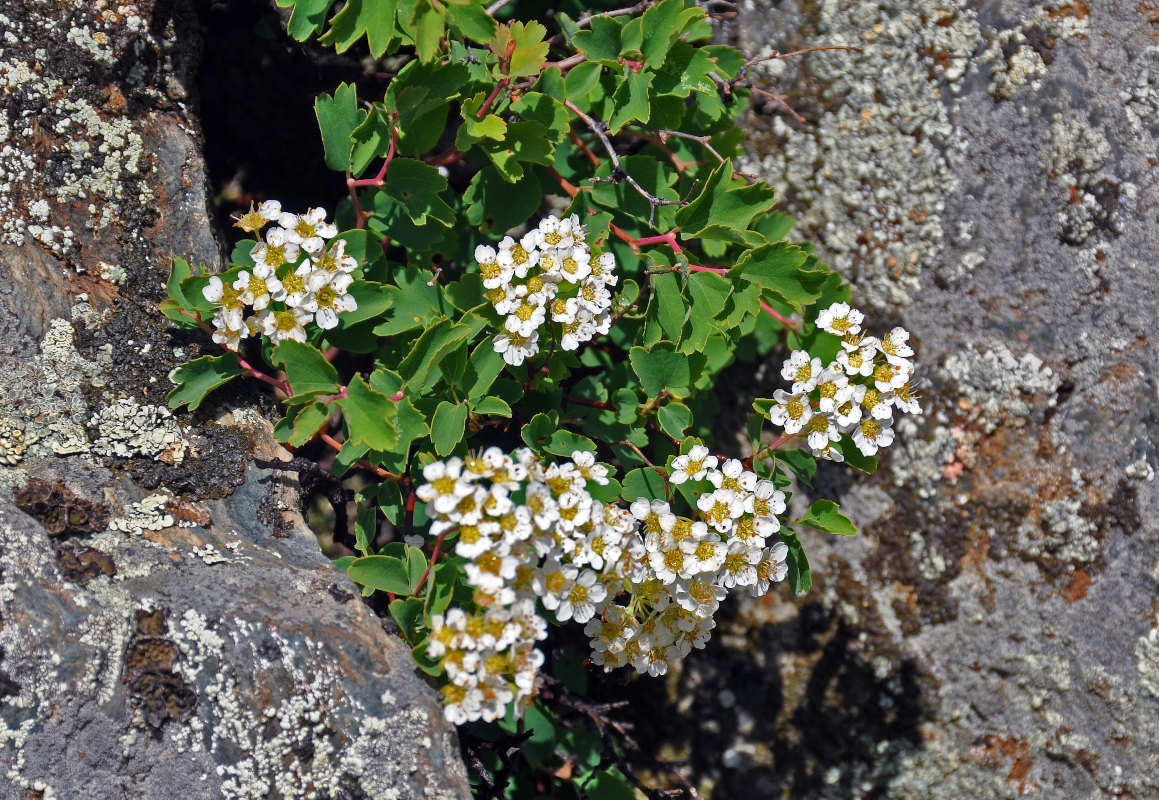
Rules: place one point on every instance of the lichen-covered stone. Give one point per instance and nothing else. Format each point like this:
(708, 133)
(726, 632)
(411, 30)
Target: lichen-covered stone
(170, 628)
(992, 632)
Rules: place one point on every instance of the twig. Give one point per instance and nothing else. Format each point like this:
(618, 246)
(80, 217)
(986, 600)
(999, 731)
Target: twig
(497, 6)
(599, 128)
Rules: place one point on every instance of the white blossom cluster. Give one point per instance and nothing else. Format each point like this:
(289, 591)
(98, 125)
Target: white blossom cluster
(644, 582)
(856, 394)
(547, 277)
(299, 276)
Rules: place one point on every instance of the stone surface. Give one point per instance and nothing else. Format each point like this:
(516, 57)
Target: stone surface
(168, 624)
(986, 174)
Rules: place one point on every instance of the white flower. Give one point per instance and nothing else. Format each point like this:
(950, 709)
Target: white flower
(699, 597)
(309, 230)
(693, 465)
(276, 250)
(604, 268)
(733, 476)
(802, 370)
(294, 291)
(330, 300)
(720, 508)
(872, 435)
(584, 598)
(823, 431)
(890, 375)
(858, 361)
(270, 210)
(575, 266)
(771, 568)
(830, 384)
(255, 288)
(288, 323)
(515, 348)
(839, 319)
(587, 466)
(895, 345)
(228, 300)
(791, 412)
(765, 501)
(706, 554)
(847, 412)
(873, 402)
(740, 565)
(334, 259)
(904, 399)
(444, 484)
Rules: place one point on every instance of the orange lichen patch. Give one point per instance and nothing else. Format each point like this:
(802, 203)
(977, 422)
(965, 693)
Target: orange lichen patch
(1080, 581)
(187, 511)
(993, 750)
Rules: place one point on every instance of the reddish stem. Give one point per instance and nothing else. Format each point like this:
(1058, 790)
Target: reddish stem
(434, 556)
(499, 87)
(788, 323)
(698, 268)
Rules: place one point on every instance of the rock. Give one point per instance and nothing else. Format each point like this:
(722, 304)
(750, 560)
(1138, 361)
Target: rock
(992, 632)
(168, 624)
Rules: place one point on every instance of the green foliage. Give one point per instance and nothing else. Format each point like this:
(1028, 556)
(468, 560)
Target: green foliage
(632, 122)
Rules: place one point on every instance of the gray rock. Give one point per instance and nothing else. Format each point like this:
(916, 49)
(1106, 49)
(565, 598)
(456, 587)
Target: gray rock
(187, 639)
(992, 632)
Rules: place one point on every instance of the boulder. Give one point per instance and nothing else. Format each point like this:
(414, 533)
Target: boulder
(169, 626)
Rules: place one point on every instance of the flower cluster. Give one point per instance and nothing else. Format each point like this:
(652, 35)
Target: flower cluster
(547, 277)
(644, 582)
(856, 394)
(299, 277)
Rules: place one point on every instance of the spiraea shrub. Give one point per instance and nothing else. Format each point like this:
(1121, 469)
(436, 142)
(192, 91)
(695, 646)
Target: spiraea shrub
(512, 329)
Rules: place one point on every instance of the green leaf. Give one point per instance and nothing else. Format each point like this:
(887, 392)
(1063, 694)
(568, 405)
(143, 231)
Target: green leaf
(470, 20)
(538, 431)
(428, 25)
(724, 208)
(200, 377)
(564, 443)
(803, 465)
(306, 423)
(373, 19)
(408, 614)
(660, 369)
(582, 79)
(338, 116)
(496, 206)
(601, 42)
(662, 22)
(370, 140)
(529, 52)
(824, 515)
(800, 576)
(365, 529)
(308, 17)
(525, 142)
(483, 368)
(777, 267)
(674, 419)
(435, 343)
(644, 482)
(630, 102)
(493, 407)
(416, 186)
(307, 370)
(447, 426)
(854, 458)
(609, 786)
(369, 416)
(384, 573)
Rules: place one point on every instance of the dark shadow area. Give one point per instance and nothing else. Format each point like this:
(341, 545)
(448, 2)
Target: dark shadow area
(256, 88)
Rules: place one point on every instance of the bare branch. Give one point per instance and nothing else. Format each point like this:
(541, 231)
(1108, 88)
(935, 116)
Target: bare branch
(599, 128)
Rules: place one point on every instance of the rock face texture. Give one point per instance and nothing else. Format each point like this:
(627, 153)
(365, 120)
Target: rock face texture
(168, 625)
(986, 175)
